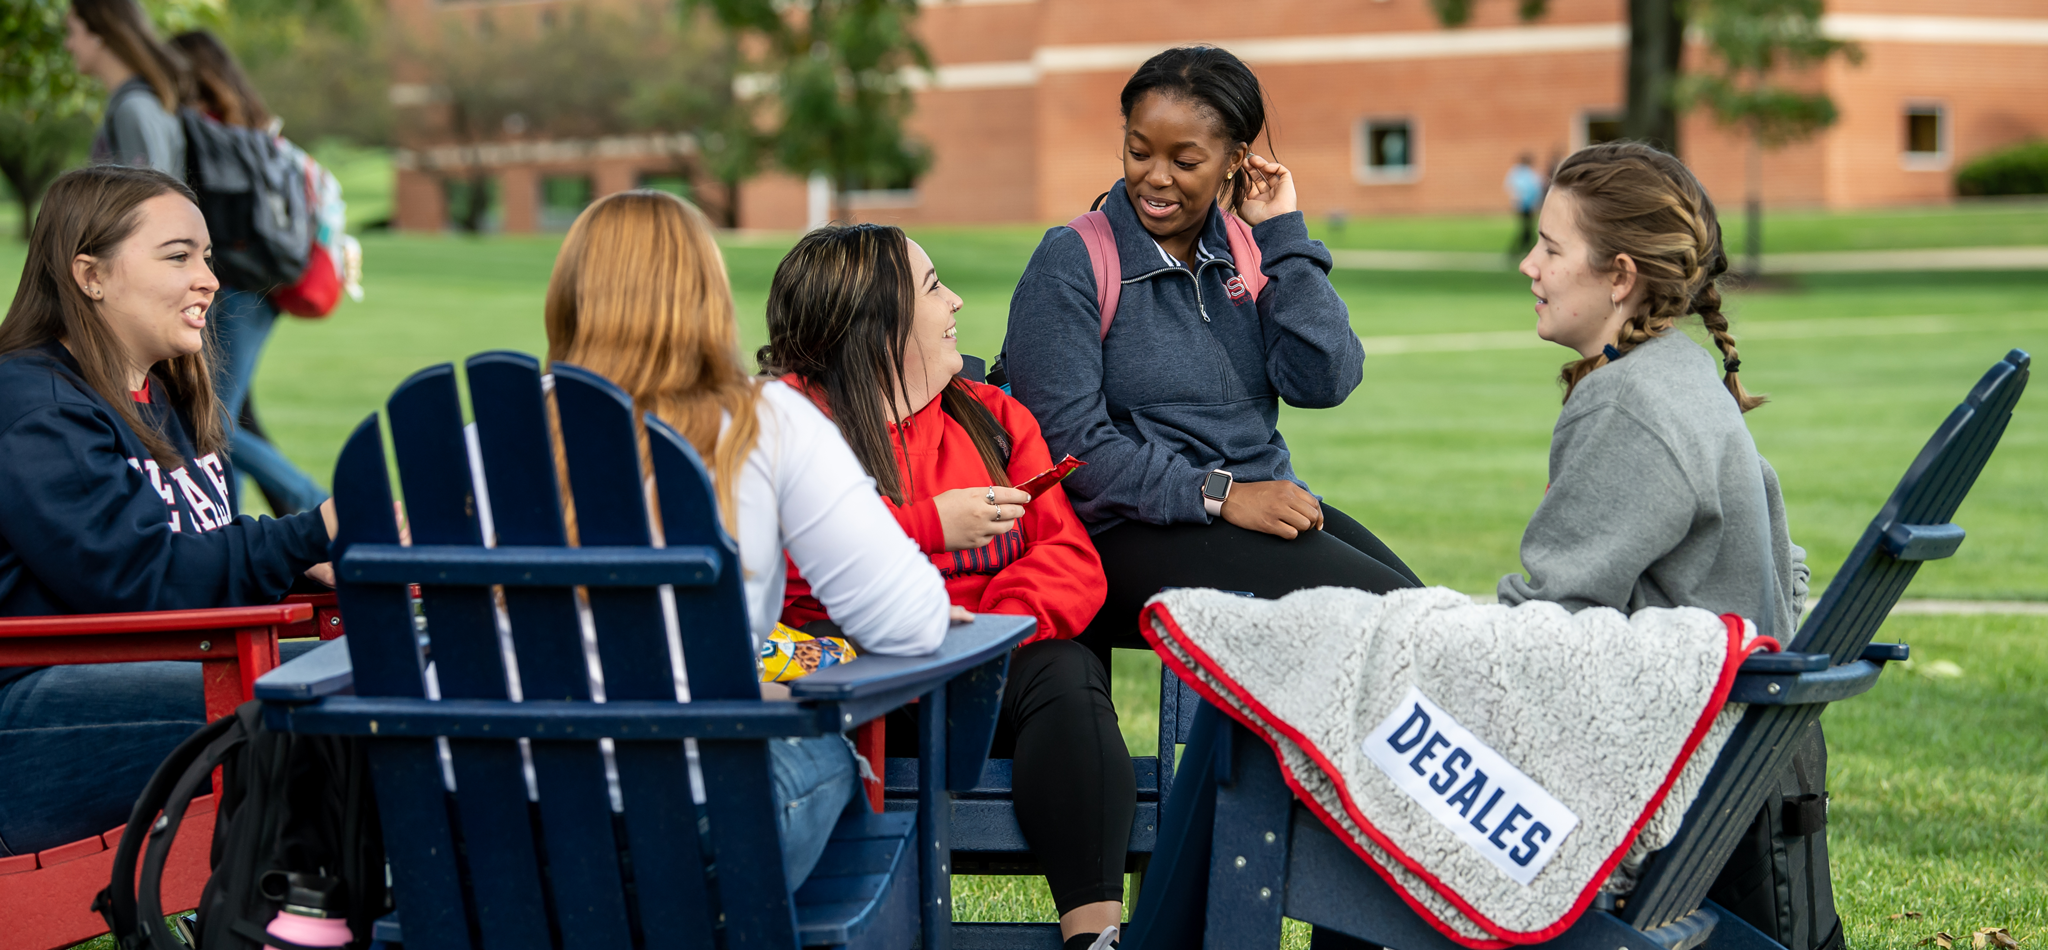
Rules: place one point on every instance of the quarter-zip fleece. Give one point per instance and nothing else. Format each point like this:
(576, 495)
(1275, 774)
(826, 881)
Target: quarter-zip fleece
(1045, 566)
(90, 523)
(1192, 373)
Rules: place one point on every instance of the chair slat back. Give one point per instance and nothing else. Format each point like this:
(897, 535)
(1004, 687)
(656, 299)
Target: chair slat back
(1863, 594)
(554, 864)
(1856, 604)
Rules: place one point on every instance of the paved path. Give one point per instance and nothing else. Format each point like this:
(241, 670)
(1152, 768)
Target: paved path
(1829, 262)
(2035, 608)
(1777, 330)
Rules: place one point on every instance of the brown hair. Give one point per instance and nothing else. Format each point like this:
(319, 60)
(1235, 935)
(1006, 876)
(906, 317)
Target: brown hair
(839, 316)
(91, 211)
(639, 295)
(219, 83)
(1635, 200)
(124, 27)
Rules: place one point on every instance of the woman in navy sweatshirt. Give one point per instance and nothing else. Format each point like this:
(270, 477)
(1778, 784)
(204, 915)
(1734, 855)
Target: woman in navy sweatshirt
(113, 493)
(1174, 405)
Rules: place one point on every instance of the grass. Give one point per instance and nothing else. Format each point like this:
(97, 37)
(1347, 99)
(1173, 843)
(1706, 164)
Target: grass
(1938, 782)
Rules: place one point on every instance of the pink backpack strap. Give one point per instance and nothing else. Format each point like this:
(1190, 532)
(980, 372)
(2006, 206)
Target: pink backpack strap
(1093, 228)
(1245, 254)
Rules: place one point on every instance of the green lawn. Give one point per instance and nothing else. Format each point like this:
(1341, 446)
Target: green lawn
(1939, 781)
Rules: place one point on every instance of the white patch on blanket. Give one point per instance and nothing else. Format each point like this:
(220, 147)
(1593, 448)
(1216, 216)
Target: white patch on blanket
(1592, 707)
(1453, 772)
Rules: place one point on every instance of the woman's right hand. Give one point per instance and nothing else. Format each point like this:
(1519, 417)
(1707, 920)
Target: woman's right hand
(970, 521)
(1279, 508)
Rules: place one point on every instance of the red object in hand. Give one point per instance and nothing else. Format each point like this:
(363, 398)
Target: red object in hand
(1037, 484)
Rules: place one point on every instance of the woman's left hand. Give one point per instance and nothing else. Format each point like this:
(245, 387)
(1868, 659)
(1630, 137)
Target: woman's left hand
(1268, 189)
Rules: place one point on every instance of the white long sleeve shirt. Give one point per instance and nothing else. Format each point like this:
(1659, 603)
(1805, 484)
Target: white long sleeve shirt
(802, 491)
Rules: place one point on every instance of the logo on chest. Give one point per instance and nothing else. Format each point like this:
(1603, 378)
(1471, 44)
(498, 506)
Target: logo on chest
(1238, 291)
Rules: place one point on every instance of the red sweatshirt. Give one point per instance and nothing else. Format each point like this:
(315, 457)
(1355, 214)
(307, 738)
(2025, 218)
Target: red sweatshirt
(1046, 566)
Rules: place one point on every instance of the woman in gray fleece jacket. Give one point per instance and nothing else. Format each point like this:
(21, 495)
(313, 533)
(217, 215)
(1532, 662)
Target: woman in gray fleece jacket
(1174, 405)
(1657, 495)
(111, 41)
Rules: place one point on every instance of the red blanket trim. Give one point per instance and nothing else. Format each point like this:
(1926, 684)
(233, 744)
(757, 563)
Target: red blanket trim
(1733, 661)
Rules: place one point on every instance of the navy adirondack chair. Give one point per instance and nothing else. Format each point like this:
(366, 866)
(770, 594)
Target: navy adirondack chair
(482, 865)
(986, 837)
(1236, 854)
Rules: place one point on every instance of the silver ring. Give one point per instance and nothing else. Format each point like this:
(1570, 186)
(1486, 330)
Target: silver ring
(992, 495)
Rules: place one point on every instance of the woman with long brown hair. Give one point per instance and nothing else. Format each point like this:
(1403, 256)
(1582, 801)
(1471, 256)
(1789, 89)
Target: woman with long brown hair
(113, 42)
(113, 492)
(639, 295)
(243, 317)
(859, 320)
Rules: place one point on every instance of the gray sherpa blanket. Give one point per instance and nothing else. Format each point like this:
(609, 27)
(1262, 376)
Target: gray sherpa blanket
(1496, 765)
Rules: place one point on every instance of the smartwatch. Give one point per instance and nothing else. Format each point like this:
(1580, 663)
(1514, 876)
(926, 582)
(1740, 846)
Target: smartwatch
(1215, 488)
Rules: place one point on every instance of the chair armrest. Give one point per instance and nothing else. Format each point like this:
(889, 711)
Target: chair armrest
(1785, 663)
(156, 621)
(1800, 689)
(326, 670)
(966, 646)
(1887, 652)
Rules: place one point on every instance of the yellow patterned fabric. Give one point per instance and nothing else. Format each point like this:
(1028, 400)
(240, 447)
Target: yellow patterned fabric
(789, 653)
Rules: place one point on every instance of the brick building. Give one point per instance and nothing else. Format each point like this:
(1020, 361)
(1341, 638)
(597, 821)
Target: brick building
(1379, 110)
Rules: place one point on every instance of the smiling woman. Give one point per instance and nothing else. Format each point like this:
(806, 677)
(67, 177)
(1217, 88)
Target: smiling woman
(1175, 405)
(113, 492)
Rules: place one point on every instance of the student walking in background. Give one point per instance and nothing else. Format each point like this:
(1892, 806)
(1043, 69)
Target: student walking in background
(640, 296)
(113, 493)
(112, 41)
(243, 317)
(1174, 404)
(859, 321)
(1524, 186)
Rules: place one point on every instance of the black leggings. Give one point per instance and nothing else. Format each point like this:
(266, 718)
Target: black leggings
(1072, 779)
(1141, 558)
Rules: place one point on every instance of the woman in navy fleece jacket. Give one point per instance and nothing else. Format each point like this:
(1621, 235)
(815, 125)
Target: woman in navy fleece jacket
(114, 493)
(1187, 382)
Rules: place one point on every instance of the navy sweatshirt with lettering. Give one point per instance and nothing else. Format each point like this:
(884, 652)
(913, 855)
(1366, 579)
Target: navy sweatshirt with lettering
(90, 523)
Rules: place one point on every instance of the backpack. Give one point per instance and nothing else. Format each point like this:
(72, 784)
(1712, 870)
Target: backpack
(252, 190)
(1777, 878)
(297, 823)
(334, 264)
(1093, 227)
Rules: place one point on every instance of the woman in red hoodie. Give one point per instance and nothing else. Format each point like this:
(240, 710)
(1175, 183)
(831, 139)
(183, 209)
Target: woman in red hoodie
(858, 321)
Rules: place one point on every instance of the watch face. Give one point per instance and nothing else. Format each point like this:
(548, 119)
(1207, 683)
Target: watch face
(1216, 485)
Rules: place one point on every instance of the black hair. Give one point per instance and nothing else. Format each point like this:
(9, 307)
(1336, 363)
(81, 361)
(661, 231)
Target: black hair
(1216, 81)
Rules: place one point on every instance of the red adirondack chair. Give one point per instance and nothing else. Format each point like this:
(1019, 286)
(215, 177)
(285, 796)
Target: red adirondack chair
(46, 897)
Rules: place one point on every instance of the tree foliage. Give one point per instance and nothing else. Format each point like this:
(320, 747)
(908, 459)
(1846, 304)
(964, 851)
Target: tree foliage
(47, 109)
(837, 70)
(1756, 45)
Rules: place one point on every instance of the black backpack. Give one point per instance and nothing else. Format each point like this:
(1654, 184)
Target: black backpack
(252, 190)
(297, 819)
(1777, 879)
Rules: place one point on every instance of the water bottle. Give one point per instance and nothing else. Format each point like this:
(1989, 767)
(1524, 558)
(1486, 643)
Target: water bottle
(314, 914)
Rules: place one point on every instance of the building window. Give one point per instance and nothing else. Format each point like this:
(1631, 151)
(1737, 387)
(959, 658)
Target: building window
(1596, 126)
(1387, 151)
(562, 198)
(1927, 135)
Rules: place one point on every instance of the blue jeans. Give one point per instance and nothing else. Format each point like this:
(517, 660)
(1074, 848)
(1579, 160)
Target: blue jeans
(244, 320)
(77, 743)
(814, 780)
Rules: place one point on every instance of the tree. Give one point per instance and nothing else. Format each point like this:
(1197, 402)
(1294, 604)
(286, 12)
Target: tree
(836, 69)
(48, 110)
(1756, 44)
(320, 65)
(1656, 41)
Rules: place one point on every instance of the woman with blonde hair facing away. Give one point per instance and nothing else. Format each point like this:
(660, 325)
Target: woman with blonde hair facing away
(859, 320)
(640, 295)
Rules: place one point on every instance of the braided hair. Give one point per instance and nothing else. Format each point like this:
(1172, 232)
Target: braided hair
(1636, 200)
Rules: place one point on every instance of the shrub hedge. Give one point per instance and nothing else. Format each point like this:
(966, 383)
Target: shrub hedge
(2019, 170)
